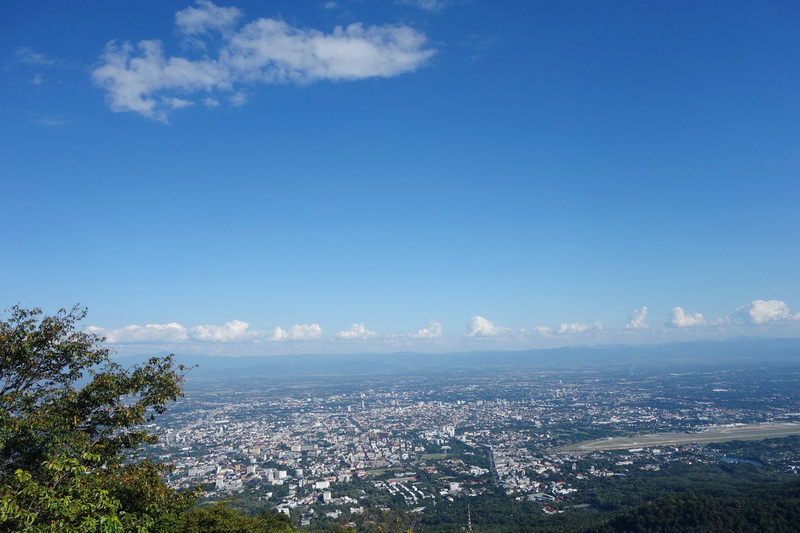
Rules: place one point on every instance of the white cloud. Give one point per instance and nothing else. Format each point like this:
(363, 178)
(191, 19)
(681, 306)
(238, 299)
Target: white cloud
(576, 327)
(542, 331)
(151, 333)
(238, 99)
(136, 83)
(637, 319)
(198, 20)
(330, 5)
(271, 51)
(298, 332)
(179, 103)
(433, 330)
(356, 331)
(143, 80)
(232, 331)
(678, 318)
(428, 5)
(481, 327)
(762, 311)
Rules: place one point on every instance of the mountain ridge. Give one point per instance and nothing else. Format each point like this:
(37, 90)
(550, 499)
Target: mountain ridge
(686, 352)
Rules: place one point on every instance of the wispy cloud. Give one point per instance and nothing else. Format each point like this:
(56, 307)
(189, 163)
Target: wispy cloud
(480, 327)
(433, 6)
(27, 55)
(541, 331)
(577, 327)
(207, 17)
(143, 79)
(50, 121)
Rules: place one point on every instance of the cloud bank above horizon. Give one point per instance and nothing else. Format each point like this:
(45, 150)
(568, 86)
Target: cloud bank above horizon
(756, 316)
(229, 58)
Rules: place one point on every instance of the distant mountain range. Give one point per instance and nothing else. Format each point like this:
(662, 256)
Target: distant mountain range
(675, 354)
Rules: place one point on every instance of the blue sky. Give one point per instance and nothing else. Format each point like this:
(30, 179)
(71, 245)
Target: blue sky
(270, 177)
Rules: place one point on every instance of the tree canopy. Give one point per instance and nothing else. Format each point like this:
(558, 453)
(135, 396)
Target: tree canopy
(69, 418)
(222, 519)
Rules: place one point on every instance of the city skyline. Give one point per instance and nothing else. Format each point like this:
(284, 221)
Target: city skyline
(251, 178)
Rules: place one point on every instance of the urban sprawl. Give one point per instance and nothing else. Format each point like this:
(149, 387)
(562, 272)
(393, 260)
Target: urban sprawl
(331, 448)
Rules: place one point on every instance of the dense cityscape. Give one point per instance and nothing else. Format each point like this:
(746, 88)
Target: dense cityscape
(333, 451)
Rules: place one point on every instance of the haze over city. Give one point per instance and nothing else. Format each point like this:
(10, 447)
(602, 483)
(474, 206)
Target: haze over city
(262, 178)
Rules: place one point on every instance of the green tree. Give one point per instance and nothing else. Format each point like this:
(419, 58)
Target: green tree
(69, 420)
(223, 519)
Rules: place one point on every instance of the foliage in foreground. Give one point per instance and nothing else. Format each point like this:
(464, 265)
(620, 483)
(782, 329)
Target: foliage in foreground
(69, 418)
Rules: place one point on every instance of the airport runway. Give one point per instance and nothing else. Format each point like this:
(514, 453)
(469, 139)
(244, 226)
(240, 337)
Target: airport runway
(719, 434)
